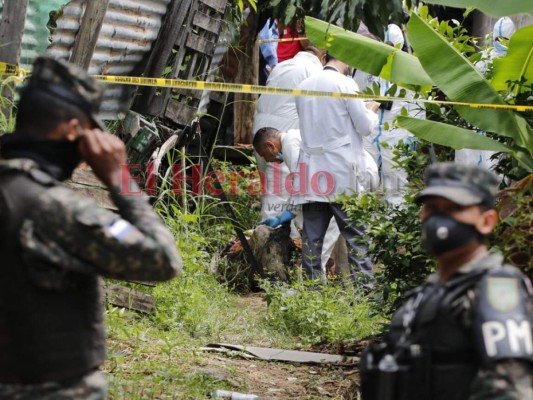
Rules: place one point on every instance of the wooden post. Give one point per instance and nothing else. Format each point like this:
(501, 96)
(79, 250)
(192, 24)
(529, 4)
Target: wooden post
(91, 24)
(248, 74)
(11, 31)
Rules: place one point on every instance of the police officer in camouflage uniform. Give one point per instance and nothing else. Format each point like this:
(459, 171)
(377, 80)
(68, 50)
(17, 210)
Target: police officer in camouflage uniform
(54, 243)
(466, 332)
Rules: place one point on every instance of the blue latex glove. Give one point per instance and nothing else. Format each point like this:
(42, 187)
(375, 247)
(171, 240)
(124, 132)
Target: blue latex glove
(286, 216)
(271, 222)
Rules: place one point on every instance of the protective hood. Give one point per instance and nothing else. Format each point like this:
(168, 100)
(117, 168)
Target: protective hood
(394, 35)
(504, 27)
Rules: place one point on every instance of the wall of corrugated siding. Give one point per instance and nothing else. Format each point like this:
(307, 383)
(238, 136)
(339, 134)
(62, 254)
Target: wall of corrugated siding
(129, 30)
(36, 34)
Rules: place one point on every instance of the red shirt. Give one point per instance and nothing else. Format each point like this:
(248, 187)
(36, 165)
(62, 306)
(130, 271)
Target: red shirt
(287, 50)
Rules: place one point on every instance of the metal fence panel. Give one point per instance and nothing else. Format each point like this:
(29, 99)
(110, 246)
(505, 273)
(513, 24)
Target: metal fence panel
(130, 27)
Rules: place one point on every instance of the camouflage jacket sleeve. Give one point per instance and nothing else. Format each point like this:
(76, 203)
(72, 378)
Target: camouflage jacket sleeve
(72, 233)
(504, 380)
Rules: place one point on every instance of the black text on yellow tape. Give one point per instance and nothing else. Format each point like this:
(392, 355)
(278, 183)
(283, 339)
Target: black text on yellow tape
(10, 69)
(295, 39)
(256, 89)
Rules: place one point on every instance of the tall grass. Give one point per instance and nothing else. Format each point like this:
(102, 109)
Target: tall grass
(7, 104)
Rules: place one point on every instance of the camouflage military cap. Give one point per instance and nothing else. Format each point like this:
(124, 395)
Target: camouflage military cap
(463, 184)
(69, 83)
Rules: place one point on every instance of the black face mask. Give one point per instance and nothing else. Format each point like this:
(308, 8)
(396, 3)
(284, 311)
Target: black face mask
(442, 233)
(57, 157)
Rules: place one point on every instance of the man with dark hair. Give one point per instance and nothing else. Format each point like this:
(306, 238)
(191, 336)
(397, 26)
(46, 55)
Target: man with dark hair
(263, 143)
(465, 334)
(280, 112)
(332, 131)
(55, 243)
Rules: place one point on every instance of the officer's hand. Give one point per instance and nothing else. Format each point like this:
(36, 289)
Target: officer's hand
(286, 216)
(372, 106)
(105, 154)
(271, 222)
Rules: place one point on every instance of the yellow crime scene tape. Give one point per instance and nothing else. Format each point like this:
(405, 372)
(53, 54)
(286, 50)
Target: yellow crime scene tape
(12, 70)
(256, 89)
(262, 41)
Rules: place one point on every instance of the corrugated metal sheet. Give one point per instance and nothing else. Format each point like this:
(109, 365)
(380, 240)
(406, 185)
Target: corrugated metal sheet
(36, 34)
(129, 30)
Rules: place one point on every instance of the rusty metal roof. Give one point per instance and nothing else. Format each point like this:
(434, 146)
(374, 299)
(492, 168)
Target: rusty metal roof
(129, 30)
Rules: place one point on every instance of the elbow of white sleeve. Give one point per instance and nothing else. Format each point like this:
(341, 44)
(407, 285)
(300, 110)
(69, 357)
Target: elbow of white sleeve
(372, 123)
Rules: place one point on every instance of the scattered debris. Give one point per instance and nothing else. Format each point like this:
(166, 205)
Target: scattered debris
(268, 354)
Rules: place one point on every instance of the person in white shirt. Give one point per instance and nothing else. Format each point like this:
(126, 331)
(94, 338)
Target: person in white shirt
(386, 136)
(280, 112)
(503, 29)
(331, 163)
(276, 147)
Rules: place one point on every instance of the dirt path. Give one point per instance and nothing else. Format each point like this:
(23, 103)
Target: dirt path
(143, 364)
(278, 380)
(272, 380)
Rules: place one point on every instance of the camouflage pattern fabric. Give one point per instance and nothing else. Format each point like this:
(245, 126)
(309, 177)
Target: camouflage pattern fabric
(506, 380)
(69, 83)
(90, 387)
(88, 239)
(463, 184)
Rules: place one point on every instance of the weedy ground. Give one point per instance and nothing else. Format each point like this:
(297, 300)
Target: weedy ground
(158, 356)
(146, 361)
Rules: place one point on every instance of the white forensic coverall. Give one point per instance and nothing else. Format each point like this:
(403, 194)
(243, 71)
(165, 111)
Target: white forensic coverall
(503, 28)
(386, 137)
(331, 163)
(280, 112)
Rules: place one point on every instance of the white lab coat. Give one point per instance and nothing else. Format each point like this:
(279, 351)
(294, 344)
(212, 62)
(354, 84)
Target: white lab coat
(332, 133)
(290, 145)
(382, 141)
(280, 112)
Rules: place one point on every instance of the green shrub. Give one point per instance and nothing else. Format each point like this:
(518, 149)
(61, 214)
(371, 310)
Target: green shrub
(7, 105)
(330, 314)
(514, 233)
(393, 240)
(192, 301)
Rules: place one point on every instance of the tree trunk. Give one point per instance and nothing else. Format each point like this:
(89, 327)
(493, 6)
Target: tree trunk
(244, 110)
(11, 31)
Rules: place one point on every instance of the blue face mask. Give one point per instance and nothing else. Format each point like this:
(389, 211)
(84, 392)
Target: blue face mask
(279, 156)
(501, 50)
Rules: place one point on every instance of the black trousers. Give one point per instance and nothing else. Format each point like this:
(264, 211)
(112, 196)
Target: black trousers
(317, 216)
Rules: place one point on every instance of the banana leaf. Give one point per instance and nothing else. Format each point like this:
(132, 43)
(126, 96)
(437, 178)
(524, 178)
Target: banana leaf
(459, 138)
(366, 54)
(462, 82)
(518, 63)
(450, 135)
(495, 8)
